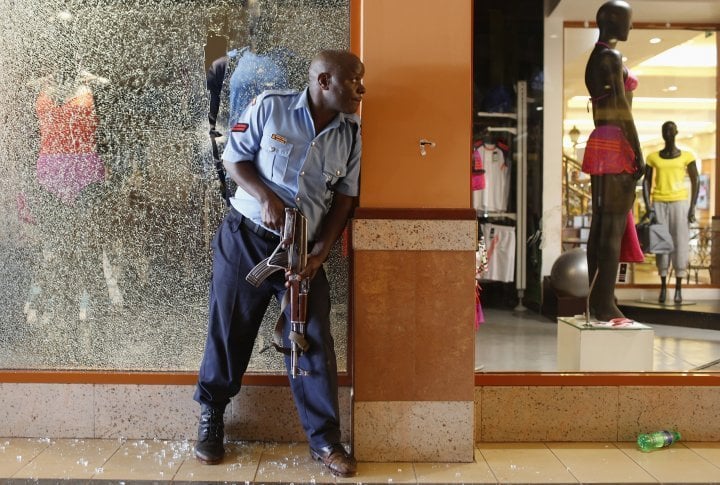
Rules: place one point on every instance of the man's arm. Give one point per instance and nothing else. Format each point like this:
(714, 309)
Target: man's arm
(333, 225)
(245, 175)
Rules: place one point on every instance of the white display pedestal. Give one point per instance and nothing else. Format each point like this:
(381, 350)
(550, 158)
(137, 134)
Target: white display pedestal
(588, 348)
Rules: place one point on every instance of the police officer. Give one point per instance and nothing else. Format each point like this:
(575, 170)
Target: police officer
(289, 149)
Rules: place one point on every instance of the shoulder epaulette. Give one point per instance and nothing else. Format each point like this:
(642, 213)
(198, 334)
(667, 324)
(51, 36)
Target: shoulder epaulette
(277, 92)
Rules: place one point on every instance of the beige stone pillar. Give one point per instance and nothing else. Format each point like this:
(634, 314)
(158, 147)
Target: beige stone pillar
(414, 340)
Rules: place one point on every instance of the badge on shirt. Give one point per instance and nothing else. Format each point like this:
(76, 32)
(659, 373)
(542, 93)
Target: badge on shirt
(240, 128)
(279, 138)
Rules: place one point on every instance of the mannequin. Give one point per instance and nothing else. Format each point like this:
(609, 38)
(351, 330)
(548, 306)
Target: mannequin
(613, 157)
(68, 192)
(670, 203)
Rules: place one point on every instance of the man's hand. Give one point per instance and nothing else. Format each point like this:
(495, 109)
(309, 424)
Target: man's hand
(691, 214)
(313, 265)
(273, 212)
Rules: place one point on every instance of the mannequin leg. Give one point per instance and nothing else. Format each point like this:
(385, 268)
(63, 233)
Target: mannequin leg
(595, 222)
(678, 290)
(679, 229)
(663, 289)
(613, 196)
(662, 261)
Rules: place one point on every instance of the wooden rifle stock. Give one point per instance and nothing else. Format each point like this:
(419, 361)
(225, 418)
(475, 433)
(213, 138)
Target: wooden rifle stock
(290, 255)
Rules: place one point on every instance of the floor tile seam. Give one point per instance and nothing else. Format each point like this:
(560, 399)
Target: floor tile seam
(264, 449)
(565, 465)
(47, 446)
(686, 445)
(180, 465)
(120, 444)
(657, 479)
(492, 472)
(677, 356)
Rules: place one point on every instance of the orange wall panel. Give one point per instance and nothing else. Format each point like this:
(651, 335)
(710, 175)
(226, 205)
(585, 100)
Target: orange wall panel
(414, 326)
(418, 59)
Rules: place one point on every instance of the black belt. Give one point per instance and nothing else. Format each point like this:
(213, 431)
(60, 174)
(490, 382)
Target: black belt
(257, 229)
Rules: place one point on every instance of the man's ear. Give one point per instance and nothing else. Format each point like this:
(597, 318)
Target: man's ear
(324, 80)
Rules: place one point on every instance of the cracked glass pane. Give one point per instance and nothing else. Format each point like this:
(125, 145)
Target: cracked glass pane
(110, 195)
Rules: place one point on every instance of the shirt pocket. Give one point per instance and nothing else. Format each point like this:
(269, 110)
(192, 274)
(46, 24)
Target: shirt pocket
(333, 172)
(275, 159)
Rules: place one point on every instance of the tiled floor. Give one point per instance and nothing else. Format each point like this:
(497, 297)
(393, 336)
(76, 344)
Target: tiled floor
(527, 342)
(119, 461)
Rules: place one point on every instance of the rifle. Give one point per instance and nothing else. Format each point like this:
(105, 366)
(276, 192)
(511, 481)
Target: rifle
(289, 255)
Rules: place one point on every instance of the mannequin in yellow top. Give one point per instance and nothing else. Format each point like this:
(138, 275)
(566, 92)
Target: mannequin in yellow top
(670, 203)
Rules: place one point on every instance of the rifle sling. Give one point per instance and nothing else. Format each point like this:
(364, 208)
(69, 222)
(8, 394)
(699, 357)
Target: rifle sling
(295, 337)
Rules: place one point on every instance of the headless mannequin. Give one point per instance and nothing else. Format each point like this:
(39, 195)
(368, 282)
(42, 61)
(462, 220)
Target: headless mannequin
(612, 193)
(671, 151)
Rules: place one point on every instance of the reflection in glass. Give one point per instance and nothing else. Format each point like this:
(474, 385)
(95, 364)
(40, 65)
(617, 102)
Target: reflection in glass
(109, 194)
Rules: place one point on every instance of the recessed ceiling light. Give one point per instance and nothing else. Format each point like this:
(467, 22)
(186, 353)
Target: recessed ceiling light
(671, 88)
(655, 40)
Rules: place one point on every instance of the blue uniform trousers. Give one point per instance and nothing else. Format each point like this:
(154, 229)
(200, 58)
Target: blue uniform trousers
(236, 312)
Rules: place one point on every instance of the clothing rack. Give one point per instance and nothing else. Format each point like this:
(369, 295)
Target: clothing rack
(520, 216)
(521, 196)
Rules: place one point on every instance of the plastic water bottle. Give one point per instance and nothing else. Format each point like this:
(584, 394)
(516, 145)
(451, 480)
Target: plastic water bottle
(657, 439)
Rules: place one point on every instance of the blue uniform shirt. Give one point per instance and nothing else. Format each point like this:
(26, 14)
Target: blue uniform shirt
(276, 133)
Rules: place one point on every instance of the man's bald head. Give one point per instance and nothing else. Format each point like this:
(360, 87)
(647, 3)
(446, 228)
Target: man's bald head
(332, 62)
(336, 81)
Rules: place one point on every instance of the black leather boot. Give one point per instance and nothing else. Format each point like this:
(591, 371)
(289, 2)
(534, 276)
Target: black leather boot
(209, 448)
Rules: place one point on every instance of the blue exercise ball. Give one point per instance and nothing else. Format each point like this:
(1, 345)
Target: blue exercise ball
(569, 274)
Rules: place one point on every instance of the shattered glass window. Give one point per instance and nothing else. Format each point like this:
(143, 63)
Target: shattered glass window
(110, 194)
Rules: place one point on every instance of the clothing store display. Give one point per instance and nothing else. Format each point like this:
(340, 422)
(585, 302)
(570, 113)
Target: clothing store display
(669, 185)
(655, 238)
(670, 204)
(477, 180)
(68, 161)
(630, 80)
(674, 216)
(494, 197)
(479, 315)
(630, 249)
(608, 152)
(500, 242)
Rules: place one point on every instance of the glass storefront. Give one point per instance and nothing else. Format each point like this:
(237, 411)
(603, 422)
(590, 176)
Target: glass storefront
(109, 194)
(677, 76)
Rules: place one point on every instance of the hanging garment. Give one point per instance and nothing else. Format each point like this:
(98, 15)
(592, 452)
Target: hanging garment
(68, 161)
(500, 242)
(494, 197)
(630, 250)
